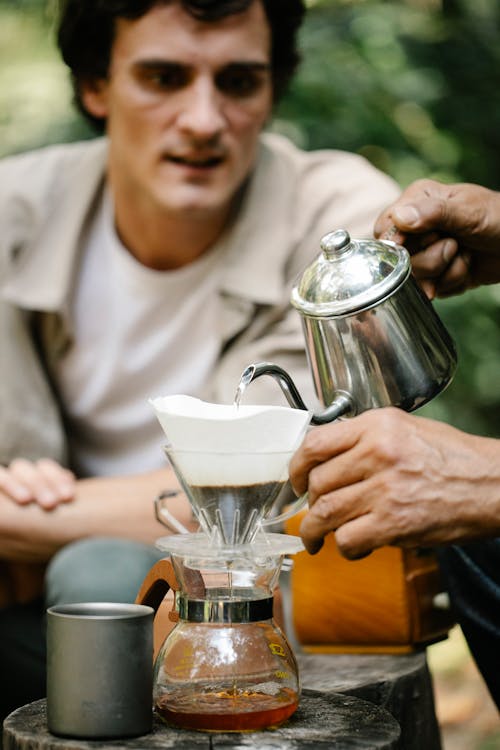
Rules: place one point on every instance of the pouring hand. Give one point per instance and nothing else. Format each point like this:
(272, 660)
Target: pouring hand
(44, 482)
(451, 231)
(389, 478)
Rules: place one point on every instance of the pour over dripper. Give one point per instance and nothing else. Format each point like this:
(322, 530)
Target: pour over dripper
(226, 665)
(232, 462)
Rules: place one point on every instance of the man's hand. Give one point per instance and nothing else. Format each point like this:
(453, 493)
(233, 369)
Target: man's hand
(451, 231)
(44, 482)
(387, 477)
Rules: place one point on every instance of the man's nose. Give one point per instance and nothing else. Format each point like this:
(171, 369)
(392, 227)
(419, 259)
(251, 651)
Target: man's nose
(202, 114)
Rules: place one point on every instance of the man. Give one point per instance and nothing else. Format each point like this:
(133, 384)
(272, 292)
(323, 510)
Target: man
(157, 260)
(387, 477)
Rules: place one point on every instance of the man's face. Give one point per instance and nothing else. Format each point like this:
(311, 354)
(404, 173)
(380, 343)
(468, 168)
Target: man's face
(185, 102)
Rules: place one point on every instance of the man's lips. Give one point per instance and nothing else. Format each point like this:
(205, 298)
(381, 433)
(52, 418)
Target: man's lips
(196, 161)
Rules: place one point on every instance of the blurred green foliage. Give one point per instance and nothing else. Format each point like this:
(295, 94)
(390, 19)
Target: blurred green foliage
(412, 85)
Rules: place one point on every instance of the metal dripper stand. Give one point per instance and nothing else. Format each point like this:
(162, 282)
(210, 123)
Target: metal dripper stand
(226, 665)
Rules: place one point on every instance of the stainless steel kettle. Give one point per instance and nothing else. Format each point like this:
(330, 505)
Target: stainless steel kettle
(372, 337)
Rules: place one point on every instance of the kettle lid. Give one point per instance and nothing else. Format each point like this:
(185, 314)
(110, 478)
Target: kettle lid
(349, 275)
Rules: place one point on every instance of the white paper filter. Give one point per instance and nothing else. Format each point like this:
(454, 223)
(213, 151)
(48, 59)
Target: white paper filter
(218, 444)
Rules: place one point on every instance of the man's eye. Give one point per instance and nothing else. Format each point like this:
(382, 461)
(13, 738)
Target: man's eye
(167, 79)
(239, 81)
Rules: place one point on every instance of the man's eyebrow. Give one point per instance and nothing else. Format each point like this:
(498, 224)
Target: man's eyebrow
(157, 63)
(254, 65)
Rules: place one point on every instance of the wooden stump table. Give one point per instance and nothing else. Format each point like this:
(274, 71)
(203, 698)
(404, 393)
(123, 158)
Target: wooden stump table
(349, 702)
(335, 721)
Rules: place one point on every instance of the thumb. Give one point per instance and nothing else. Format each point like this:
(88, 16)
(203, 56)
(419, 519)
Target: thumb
(427, 214)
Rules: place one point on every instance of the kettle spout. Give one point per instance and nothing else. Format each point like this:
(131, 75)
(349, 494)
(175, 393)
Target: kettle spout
(340, 406)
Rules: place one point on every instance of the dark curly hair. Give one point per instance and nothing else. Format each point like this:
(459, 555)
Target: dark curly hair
(87, 27)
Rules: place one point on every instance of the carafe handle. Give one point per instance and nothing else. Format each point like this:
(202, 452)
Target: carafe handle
(161, 579)
(158, 582)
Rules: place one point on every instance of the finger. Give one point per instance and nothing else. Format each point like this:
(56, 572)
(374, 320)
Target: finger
(456, 278)
(14, 488)
(430, 265)
(313, 531)
(415, 243)
(61, 480)
(359, 537)
(385, 229)
(319, 445)
(330, 512)
(435, 259)
(27, 473)
(428, 288)
(424, 206)
(347, 470)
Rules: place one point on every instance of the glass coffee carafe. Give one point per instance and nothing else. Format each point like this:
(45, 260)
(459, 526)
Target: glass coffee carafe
(226, 665)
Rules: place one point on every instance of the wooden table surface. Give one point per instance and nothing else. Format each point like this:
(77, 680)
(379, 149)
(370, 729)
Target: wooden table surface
(328, 721)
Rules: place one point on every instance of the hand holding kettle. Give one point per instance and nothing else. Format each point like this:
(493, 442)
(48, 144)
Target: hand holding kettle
(451, 231)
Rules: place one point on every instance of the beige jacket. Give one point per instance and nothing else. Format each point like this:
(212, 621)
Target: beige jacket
(46, 197)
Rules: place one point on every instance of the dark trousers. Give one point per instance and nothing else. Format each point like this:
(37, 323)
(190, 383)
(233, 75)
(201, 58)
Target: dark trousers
(22, 656)
(472, 575)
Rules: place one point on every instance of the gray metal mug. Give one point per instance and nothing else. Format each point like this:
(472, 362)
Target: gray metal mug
(99, 669)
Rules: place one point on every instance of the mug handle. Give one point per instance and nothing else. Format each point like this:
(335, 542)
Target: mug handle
(292, 510)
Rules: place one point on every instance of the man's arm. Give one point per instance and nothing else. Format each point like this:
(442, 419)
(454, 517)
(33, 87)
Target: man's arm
(121, 507)
(387, 477)
(452, 232)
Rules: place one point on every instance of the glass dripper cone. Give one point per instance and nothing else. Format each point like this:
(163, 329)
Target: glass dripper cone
(232, 493)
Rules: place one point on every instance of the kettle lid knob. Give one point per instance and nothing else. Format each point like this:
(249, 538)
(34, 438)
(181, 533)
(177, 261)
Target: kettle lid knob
(335, 243)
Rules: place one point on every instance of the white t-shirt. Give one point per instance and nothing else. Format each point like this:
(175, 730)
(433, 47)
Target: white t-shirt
(149, 333)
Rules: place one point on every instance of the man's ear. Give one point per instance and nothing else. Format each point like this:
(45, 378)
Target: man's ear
(94, 96)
